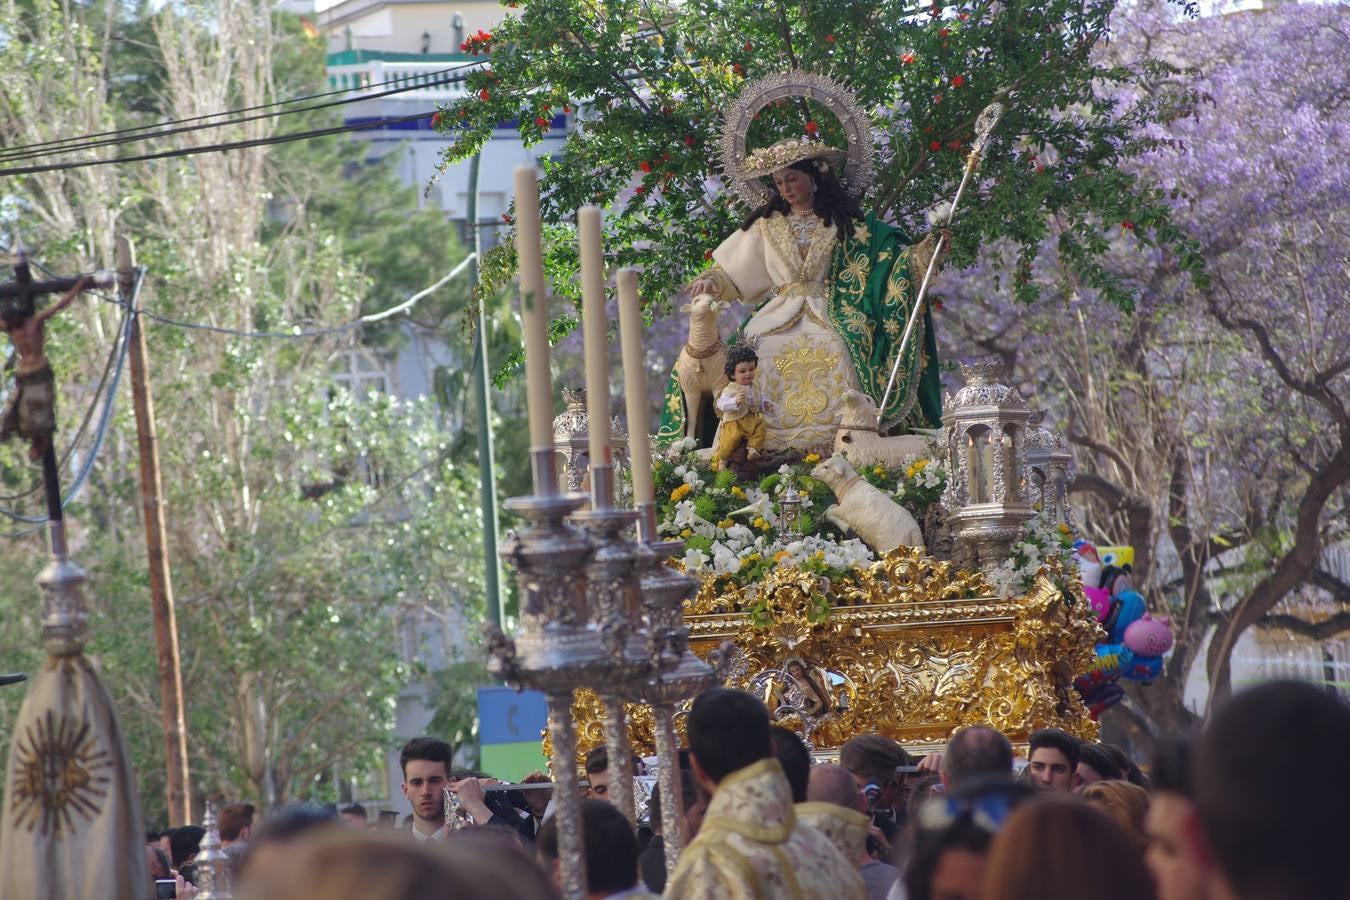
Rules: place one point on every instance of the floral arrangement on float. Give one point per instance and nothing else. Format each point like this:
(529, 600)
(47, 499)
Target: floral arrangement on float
(1043, 547)
(735, 531)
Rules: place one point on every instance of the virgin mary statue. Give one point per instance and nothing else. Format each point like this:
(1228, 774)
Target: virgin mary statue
(832, 286)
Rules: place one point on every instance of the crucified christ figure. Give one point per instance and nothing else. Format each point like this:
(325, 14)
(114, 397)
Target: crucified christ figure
(31, 410)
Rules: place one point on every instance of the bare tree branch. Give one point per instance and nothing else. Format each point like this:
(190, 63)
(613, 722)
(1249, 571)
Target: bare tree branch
(1317, 631)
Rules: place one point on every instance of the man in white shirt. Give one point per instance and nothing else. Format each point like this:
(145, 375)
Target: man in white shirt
(426, 772)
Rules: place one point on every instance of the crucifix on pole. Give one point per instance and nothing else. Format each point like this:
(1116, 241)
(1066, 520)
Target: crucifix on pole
(30, 413)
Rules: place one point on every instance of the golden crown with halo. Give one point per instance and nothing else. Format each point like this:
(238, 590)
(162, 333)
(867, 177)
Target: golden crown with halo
(744, 170)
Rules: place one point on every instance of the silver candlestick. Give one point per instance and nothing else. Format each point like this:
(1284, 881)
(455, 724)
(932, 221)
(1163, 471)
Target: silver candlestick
(681, 674)
(557, 648)
(616, 605)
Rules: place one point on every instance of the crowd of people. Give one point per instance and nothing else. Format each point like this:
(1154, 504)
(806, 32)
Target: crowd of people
(1249, 809)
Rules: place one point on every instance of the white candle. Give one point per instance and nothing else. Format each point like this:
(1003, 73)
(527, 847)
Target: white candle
(635, 387)
(533, 308)
(594, 332)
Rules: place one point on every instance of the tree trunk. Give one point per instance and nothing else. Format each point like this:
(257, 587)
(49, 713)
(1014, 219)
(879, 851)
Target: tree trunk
(1292, 569)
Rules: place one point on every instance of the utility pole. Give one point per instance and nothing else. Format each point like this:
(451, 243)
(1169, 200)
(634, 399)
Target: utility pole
(487, 470)
(157, 555)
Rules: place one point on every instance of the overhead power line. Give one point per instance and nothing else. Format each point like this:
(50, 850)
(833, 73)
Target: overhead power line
(312, 332)
(179, 126)
(215, 148)
(113, 372)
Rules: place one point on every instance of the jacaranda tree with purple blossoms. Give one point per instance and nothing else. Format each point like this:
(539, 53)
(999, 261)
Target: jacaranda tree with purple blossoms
(1212, 425)
(646, 82)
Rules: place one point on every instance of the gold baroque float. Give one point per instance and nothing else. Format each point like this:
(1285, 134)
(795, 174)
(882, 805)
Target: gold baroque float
(912, 649)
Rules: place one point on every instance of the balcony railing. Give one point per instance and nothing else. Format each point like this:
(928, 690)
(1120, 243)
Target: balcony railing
(376, 76)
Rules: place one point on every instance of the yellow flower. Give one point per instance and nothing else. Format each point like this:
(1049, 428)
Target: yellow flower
(754, 557)
(812, 458)
(916, 467)
(737, 492)
(781, 555)
(819, 554)
(879, 470)
(760, 523)
(1063, 529)
(726, 523)
(687, 533)
(680, 492)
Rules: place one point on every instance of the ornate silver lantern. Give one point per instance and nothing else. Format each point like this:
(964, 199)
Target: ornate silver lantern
(1050, 473)
(790, 504)
(986, 431)
(571, 442)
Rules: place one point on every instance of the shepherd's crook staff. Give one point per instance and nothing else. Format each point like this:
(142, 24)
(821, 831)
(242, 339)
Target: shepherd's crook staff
(984, 127)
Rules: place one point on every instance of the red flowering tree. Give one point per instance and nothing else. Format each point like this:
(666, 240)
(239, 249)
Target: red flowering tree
(649, 81)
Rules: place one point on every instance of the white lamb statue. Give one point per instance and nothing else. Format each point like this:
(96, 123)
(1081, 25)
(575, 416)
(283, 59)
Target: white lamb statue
(882, 523)
(857, 437)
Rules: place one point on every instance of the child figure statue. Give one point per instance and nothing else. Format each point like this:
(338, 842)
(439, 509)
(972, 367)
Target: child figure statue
(742, 408)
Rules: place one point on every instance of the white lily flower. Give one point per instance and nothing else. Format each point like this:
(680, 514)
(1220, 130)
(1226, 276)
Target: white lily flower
(740, 533)
(695, 560)
(725, 562)
(685, 514)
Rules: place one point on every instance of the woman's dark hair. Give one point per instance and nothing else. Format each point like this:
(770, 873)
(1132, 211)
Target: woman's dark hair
(832, 202)
(739, 353)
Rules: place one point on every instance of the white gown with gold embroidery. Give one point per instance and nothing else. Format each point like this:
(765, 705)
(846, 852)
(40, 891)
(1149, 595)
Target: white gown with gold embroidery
(804, 368)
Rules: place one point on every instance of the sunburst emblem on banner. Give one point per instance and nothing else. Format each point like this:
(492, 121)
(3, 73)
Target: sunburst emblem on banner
(61, 774)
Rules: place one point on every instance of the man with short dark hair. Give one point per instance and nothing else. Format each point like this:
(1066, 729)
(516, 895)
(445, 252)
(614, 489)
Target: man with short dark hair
(791, 753)
(184, 842)
(235, 823)
(354, 814)
(975, 752)
(1272, 773)
(425, 762)
(751, 846)
(1053, 760)
(611, 852)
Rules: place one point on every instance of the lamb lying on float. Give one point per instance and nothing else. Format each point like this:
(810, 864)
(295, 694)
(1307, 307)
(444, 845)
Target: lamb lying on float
(858, 440)
(882, 523)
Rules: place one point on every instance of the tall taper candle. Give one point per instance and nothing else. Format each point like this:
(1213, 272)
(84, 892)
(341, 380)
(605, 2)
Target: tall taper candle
(533, 308)
(595, 332)
(635, 387)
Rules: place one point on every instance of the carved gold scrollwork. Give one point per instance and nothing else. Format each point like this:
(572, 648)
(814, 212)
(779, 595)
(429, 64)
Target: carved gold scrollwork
(911, 648)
